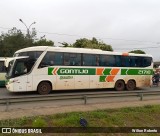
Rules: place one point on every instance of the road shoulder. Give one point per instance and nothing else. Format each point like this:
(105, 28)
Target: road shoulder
(48, 110)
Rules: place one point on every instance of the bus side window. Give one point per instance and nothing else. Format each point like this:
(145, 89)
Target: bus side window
(44, 62)
(97, 60)
(132, 61)
(72, 59)
(111, 60)
(102, 61)
(58, 58)
(51, 59)
(147, 61)
(67, 59)
(127, 62)
(118, 61)
(138, 62)
(89, 60)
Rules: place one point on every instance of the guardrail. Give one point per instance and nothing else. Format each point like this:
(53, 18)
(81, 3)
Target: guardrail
(81, 96)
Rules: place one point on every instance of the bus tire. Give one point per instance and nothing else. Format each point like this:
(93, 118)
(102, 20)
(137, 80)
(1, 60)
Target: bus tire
(44, 88)
(131, 85)
(120, 86)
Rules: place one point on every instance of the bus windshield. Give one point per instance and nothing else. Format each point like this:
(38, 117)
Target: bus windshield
(20, 67)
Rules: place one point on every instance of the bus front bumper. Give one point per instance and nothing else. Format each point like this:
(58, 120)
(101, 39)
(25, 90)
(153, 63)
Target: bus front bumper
(9, 86)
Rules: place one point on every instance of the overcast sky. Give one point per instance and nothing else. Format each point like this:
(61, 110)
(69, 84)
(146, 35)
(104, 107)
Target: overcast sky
(124, 24)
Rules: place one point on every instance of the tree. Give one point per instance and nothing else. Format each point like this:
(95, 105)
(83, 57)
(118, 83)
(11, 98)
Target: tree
(137, 52)
(44, 42)
(65, 44)
(14, 40)
(93, 44)
(81, 43)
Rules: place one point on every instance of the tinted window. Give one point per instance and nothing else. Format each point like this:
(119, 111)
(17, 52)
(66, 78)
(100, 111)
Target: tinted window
(90, 60)
(51, 59)
(118, 62)
(72, 59)
(107, 60)
(147, 61)
(20, 68)
(138, 62)
(125, 61)
(135, 61)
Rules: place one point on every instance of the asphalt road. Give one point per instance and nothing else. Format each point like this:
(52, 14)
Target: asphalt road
(4, 93)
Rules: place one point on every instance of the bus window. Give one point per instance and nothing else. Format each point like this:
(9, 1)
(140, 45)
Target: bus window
(125, 61)
(147, 61)
(132, 61)
(138, 61)
(51, 59)
(20, 68)
(103, 60)
(97, 60)
(111, 60)
(89, 60)
(118, 61)
(72, 59)
(107, 60)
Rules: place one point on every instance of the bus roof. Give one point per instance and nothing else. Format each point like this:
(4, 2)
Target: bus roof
(34, 48)
(77, 50)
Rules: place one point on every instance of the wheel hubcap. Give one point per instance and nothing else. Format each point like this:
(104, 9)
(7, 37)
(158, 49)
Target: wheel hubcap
(44, 88)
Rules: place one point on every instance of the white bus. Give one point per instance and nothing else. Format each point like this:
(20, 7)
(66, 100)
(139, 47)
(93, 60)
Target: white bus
(4, 62)
(44, 69)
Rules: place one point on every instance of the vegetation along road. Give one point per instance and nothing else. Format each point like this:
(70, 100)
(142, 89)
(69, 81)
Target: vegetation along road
(62, 106)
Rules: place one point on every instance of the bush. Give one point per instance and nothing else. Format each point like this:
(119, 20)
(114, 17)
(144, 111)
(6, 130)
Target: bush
(39, 122)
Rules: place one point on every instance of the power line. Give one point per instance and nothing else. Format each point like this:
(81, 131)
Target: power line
(73, 35)
(99, 37)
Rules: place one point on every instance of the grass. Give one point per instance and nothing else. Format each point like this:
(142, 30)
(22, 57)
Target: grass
(147, 116)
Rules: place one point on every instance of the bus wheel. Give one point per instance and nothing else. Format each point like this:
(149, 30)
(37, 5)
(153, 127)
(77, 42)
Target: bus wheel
(44, 88)
(131, 85)
(119, 86)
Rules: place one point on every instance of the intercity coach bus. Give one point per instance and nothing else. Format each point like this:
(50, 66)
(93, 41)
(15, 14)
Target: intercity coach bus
(43, 69)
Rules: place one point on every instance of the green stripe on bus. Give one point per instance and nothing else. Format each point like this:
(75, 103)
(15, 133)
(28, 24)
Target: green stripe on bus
(72, 71)
(107, 71)
(50, 71)
(136, 71)
(92, 71)
(102, 79)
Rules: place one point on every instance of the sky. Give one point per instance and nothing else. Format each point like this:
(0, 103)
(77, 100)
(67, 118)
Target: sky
(124, 24)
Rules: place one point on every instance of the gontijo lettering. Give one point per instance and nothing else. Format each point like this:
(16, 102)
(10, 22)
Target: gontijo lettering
(73, 71)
